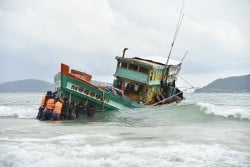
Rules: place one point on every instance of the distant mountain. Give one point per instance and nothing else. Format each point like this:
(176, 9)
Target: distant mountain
(28, 85)
(234, 84)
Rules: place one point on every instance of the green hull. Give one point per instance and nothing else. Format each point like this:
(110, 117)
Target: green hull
(76, 90)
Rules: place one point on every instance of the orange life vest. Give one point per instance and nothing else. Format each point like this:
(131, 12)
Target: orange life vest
(50, 103)
(57, 108)
(42, 101)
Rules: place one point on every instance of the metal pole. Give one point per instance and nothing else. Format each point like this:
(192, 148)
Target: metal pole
(165, 74)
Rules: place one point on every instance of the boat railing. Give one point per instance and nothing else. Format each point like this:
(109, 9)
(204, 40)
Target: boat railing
(81, 75)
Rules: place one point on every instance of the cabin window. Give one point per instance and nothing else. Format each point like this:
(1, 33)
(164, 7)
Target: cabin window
(124, 65)
(133, 67)
(143, 70)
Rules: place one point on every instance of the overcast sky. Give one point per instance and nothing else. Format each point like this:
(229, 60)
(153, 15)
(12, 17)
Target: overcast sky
(36, 36)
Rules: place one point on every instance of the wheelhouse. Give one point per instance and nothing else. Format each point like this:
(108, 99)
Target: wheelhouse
(142, 79)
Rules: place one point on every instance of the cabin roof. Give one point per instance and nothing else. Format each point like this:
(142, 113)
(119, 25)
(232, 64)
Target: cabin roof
(155, 62)
(158, 60)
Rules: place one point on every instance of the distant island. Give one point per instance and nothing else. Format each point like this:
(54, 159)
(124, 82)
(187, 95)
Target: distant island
(236, 84)
(32, 85)
(28, 85)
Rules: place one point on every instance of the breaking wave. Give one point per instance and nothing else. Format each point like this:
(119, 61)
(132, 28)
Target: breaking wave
(118, 153)
(18, 111)
(226, 111)
(180, 111)
(194, 108)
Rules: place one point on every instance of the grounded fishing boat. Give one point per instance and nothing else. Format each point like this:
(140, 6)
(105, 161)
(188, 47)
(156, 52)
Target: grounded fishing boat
(139, 82)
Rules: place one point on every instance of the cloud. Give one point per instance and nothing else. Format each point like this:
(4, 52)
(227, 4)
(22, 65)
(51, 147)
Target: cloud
(36, 36)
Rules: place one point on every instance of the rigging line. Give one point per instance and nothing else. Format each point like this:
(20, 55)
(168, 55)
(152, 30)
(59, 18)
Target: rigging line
(193, 87)
(172, 44)
(177, 27)
(176, 30)
(204, 88)
(184, 56)
(184, 87)
(179, 20)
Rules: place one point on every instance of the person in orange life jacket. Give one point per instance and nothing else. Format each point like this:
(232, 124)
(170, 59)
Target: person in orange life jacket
(42, 105)
(91, 111)
(57, 110)
(50, 103)
(41, 108)
(48, 96)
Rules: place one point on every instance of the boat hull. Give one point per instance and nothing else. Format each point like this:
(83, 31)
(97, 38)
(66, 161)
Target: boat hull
(82, 91)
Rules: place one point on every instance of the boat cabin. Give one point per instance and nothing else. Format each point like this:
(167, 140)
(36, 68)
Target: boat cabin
(143, 79)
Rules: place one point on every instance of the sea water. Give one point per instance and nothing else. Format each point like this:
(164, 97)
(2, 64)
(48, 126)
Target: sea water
(203, 130)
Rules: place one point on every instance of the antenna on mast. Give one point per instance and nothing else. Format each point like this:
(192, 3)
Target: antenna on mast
(175, 35)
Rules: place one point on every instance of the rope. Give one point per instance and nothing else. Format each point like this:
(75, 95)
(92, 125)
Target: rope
(195, 87)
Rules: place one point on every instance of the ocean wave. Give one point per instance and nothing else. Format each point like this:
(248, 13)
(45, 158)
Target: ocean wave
(226, 111)
(18, 111)
(145, 116)
(123, 153)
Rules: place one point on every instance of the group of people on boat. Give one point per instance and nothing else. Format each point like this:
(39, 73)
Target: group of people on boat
(53, 108)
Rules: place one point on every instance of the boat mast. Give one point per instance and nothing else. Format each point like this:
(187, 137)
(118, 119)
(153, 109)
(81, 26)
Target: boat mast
(166, 70)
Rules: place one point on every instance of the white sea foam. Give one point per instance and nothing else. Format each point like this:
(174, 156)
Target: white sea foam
(18, 111)
(120, 153)
(225, 110)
